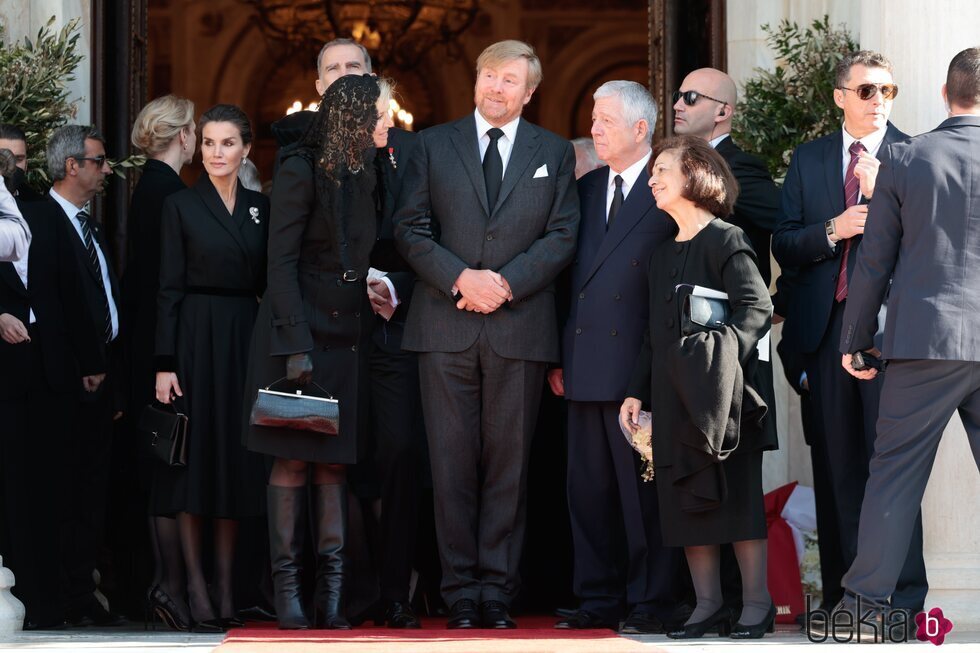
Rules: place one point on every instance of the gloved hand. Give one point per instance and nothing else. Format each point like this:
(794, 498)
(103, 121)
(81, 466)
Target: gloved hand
(299, 368)
(425, 226)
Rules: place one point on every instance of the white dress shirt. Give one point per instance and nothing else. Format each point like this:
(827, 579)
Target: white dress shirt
(15, 236)
(504, 144)
(871, 143)
(629, 179)
(72, 212)
(717, 139)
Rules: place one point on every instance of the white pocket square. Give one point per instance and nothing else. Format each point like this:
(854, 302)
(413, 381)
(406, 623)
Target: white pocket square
(541, 172)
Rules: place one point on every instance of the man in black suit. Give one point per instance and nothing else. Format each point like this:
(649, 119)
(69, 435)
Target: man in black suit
(619, 560)
(48, 354)
(483, 319)
(77, 166)
(921, 239)
(823, 218)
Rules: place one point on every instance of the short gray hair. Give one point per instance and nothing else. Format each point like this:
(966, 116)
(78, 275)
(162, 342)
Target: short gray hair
(344, 41)
(68, 142)
(638, 104)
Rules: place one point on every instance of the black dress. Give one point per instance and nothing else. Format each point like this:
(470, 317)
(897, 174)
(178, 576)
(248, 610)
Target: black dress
(308, 307)
(719, 257)
(212, 271)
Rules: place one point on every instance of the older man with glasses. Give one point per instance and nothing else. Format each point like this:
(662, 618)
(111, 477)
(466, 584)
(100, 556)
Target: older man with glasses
(824, 207)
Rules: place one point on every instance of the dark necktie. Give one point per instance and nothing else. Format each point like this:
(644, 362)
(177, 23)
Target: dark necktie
(93, 255)
(616, 203)
(852, 188)
(493, 167)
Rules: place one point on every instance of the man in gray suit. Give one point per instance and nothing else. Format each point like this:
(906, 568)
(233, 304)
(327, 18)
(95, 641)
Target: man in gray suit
(483, 319)
(922, 232)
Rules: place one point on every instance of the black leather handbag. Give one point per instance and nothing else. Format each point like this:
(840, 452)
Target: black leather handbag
(165, 430)
(296, 410)
(701, 313)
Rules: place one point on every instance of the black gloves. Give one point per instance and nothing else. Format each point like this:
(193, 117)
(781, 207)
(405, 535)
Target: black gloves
(425, 226)
(299, 368)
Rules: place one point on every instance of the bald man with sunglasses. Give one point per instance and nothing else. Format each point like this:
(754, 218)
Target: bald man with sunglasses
(825, 199)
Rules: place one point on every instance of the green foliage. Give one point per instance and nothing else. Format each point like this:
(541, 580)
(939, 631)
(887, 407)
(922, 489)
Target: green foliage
(794, 103)
(34, 77)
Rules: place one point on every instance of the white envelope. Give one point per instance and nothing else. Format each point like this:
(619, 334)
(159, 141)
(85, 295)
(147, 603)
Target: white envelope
(541, 172)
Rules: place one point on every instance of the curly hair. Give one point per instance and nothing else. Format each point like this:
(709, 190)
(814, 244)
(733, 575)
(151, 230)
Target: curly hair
(341, 133)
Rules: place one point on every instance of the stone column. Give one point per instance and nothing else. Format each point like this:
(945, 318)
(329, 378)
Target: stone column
(920, 39)
(11, 609)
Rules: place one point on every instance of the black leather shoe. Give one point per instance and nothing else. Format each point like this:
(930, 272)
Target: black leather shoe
(585, 620)
(720, 621)
(401, 615)
(91, 613)
(57, 624)
(464, 615)
(495, 615)
(756, 631)
(642, 623)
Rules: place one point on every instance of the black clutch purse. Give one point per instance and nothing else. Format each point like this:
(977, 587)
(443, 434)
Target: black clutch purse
(700, 313)
(295, 410)
(166, 433)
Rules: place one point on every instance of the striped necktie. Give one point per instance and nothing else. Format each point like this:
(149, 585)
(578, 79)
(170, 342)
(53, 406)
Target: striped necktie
(93, 255)
(852, 189)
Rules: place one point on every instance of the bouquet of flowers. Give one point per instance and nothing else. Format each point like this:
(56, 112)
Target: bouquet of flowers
(642, 442)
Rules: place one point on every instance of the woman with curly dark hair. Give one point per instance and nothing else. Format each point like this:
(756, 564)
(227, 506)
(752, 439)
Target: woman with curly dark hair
(311, 329)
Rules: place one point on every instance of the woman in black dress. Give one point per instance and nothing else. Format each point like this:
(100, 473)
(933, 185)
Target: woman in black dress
(708, 456)
(312, 328)
(165, 132)
(212, 270)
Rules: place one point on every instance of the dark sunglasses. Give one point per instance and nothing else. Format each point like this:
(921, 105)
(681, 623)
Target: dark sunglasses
(99, 160)
(868, 91)
(691, 97)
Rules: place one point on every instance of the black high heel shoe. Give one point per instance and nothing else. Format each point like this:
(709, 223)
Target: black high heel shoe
(159, 605)
(722, 620)
(756, 631)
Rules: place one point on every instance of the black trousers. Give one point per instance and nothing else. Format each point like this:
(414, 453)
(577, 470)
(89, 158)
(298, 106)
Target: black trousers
(619, 559)
(848, 408)
(398, 438)
(86, 497)
(480, 413)
(37, 426)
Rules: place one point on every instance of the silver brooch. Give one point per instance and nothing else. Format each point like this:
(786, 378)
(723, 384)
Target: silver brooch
(391, 157)
(254, 212)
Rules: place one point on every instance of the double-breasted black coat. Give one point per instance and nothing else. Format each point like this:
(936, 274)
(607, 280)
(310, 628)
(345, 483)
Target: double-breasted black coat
(309, 308)
(719, 257)
(212, 271)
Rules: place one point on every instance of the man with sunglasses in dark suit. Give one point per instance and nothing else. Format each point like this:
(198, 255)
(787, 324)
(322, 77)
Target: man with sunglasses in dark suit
(824, 206)
(77, 165)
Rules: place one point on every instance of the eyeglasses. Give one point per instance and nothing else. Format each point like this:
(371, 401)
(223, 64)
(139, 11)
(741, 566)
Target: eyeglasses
(691, 97)
(99, 160)
(868, 91)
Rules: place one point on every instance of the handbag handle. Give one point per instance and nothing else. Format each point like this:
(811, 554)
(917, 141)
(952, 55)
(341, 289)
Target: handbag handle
(172, 405)
(313, 383)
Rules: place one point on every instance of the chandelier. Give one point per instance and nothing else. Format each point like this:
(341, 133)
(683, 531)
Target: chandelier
(396, 32)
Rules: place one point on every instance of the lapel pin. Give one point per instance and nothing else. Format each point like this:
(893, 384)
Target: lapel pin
(254, 212)
(391, 157)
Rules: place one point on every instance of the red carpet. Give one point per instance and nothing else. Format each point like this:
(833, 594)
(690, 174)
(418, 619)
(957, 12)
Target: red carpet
(534, 635)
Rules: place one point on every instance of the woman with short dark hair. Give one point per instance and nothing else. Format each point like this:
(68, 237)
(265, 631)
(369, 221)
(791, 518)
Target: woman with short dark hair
(212, 271)
(697, 375)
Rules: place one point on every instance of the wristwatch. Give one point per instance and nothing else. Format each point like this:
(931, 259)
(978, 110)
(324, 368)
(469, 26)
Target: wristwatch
(829, 227)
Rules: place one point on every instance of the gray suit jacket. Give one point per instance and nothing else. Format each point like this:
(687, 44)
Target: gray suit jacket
(923, 230)
(528, 237)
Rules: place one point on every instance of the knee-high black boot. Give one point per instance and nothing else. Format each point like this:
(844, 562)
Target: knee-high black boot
(287, 507)
(330, 516)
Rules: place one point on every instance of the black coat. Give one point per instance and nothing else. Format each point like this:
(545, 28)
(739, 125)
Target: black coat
(72, 346)
(757, 205)
(212, 270)
(720, 257)
(141, 280)
(309, 308)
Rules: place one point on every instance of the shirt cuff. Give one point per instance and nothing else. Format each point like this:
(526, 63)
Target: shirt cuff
(394, 301)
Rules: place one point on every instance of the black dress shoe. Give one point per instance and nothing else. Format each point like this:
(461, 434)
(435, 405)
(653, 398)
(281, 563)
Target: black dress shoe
(495, 615)
(401, 615)
(91, 613)
(56, 624)
(464, 615)
(720, 621)
(585, 620)
(756, 631)
(642, 623)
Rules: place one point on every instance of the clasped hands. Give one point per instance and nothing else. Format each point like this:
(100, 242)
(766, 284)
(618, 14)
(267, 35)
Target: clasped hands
(483, 291)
